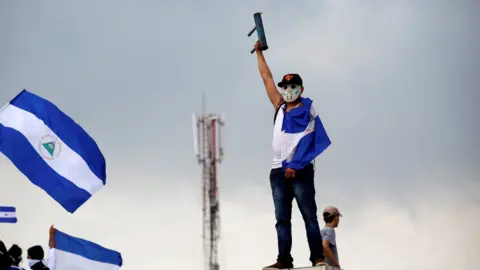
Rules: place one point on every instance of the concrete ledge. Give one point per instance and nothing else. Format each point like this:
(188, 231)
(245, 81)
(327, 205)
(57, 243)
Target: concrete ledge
(320, 267)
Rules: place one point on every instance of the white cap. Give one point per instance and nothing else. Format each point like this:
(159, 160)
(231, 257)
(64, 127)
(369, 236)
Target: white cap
(331, 211)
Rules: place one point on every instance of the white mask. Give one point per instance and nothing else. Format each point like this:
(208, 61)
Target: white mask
(291, 92)
(32, 262)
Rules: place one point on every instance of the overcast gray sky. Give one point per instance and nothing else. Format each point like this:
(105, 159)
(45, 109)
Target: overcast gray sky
(396, 85)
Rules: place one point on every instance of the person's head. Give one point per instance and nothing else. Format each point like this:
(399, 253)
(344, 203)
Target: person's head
(35, 253)
(331, 216)
(5, 259)
(15, 253)
(291, 87)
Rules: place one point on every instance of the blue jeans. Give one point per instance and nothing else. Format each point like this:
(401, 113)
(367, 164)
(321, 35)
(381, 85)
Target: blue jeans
(302, 188)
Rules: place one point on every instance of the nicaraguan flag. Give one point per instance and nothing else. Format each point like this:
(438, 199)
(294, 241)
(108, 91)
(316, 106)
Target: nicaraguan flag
(301, 134)
(75, 253)
(51, 150)
(8, 214)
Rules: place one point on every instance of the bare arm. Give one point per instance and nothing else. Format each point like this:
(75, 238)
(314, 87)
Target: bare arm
(267, 77)
(329, 253)
(51, 250)
(51, 242)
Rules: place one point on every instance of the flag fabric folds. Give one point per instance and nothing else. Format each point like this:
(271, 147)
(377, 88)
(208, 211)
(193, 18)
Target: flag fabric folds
(301, 134)
(51, 150)
(8, 214)
(79, 254)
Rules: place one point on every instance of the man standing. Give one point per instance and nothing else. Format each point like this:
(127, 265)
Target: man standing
(331, 216)
(298, 138)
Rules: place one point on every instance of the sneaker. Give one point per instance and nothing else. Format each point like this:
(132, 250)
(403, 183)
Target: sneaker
(319, 262)
(278, 265)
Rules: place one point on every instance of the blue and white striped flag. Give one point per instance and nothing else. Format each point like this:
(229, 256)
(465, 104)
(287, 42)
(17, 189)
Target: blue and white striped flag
(51, 150)
(75, 253)
(300, 134)
(8, 214)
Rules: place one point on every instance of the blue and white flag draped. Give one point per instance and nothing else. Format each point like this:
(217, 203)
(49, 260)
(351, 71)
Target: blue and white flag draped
(8, 214)
(51, 150)
(75, 253)
(301, 134)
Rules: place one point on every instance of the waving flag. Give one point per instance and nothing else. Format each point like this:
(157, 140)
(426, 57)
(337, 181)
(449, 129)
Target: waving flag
(79, 254)
(301, 134)
(8, 214)
(51, 150)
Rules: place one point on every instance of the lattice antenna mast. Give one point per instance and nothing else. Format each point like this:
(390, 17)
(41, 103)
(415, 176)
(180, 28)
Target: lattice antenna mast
(208, 148)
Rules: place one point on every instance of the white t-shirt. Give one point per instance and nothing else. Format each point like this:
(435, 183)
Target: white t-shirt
(277, 141)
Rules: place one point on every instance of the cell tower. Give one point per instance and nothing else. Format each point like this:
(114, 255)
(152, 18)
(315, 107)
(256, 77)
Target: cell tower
(207, 131)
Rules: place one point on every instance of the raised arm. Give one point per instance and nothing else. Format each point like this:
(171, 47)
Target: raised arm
(51, 239)
(51, 250)
(267, 77)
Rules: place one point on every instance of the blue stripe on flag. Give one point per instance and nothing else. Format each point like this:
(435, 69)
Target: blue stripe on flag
(297, 119)
(309, 147)
(65, 128)
(7, 209)
(8, 220)
(86, 249)
(19, 150)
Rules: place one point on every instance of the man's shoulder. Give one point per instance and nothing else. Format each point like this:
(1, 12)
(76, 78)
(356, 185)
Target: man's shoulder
(280, 105)
(329, 235)
(277, 110)
(328, 230)
(306, 100)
